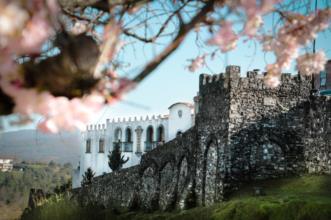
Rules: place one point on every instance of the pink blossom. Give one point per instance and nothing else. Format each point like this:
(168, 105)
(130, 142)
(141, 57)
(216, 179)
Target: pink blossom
(12, 19)
(226, 39)
(252, 8)
(34, 35)
(272, 79)
(79, 27)
(7, 64)
(309, 64)
(59, 112)
(252, 25)
(197, 63)
(48, 126)
(254, 12)
(297, 31)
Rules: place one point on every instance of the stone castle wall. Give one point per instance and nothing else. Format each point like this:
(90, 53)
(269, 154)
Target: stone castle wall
(161, 181)
(243, 132)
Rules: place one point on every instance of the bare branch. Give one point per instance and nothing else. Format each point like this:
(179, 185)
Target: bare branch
(183, 31)
(165, 24)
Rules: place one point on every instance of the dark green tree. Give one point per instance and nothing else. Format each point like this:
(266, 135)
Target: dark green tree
(115, 160)
(87, 177)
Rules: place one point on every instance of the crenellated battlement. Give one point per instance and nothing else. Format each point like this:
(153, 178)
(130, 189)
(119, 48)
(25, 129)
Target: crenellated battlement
(252, 78)
(96, 127)
(117, 121)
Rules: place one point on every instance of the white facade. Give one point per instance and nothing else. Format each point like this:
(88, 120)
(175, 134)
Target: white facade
(6, 165)
(135, 137)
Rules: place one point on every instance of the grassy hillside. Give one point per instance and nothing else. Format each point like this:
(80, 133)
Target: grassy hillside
(15, 186)
(304, 198)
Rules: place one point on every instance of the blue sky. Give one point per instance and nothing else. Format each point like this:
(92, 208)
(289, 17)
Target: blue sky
(171, 82)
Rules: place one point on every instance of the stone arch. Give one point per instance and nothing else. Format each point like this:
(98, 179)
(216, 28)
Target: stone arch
(268, 155)
(167, 186)
(167, 158)
(271, 158)
(149, 187)
(183, 181)
(210, 171)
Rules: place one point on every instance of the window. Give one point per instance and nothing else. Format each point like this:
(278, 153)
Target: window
(179, 134)
(118, 135)
(160, 134)
(101, 146)
(128, 140)
(149, 144)
(128, 135)
(180, 113)
(149, 134)
(88, 146)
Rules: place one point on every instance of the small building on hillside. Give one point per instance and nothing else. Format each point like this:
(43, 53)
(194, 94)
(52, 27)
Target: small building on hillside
(6, 165)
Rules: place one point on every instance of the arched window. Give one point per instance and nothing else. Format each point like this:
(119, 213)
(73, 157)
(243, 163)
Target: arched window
(118, 135)
(149, 144)
(128, 135)
(88, 146)
(128, 140)
(101, 145)
(160, 134)
(149, 134)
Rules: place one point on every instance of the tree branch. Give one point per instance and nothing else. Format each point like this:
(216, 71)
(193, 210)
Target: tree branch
(183, 31)
(152, 39)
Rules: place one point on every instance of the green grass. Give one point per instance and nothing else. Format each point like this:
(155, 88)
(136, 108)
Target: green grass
(297, 198)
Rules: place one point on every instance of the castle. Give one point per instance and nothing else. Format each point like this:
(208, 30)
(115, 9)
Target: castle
(242, 132)
(135, 136)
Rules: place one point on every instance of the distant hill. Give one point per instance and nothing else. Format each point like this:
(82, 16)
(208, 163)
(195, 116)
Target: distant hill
(32, 145)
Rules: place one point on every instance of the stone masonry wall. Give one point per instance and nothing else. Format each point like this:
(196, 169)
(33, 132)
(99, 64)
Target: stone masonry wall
(243, 132)
(161, 181)
(317, 135)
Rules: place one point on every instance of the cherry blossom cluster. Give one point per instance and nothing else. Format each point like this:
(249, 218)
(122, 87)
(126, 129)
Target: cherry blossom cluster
(226, 38)
(197, 63)
(24, 28)
(308, 64)
(297, 32)
(254, 11)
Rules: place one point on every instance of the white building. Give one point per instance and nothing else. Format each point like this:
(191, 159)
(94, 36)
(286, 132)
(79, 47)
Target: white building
(135, 136)
(6, 165)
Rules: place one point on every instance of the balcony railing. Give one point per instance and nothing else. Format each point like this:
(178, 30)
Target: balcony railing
(124, 146)
(128, 147)
(149, 145)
